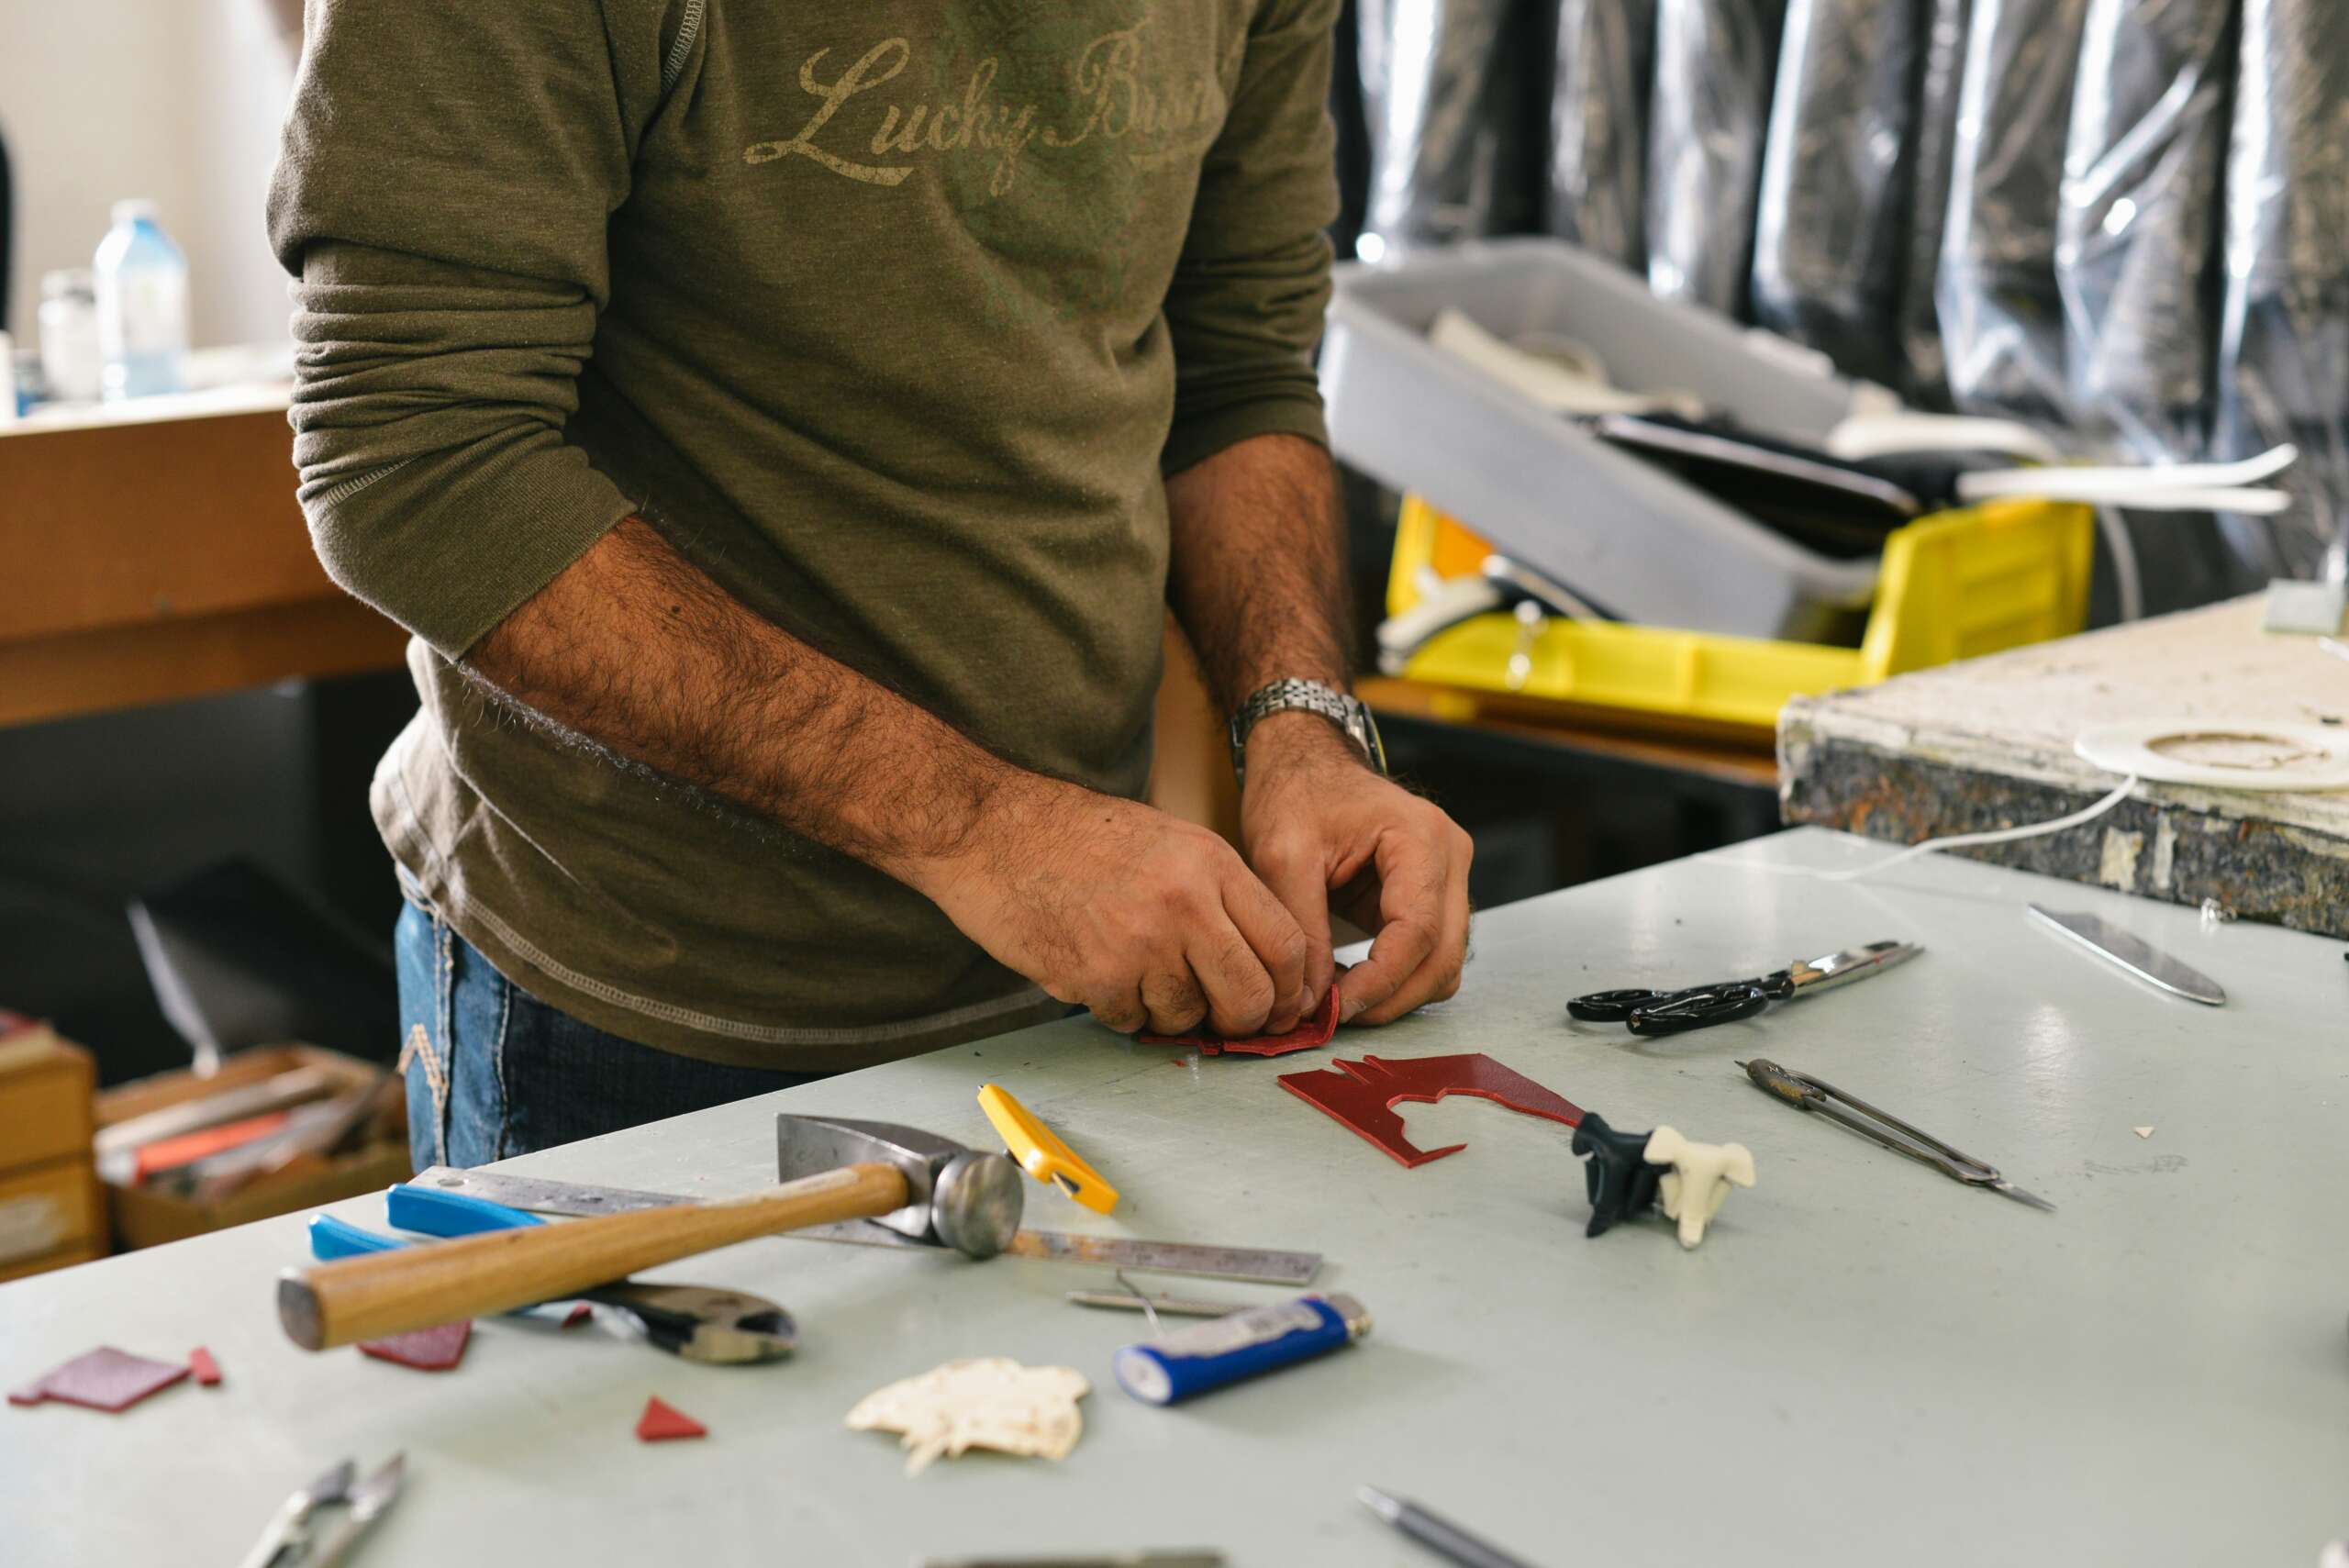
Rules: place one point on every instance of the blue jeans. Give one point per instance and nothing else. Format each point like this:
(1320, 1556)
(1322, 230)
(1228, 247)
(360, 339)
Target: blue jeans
(494, 1071)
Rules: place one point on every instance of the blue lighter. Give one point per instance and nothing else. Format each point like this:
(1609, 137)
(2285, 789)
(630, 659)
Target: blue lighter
(1225, 1349)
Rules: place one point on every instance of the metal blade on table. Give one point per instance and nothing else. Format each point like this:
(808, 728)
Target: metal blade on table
(1812, 975)
(2139, 958)
(2007, 1189)
(1261, 1266)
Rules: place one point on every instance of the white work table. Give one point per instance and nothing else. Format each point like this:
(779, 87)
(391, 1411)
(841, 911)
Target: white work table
(1866, 1362)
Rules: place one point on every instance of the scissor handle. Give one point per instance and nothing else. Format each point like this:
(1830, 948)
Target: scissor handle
(1612, 1007)
(1699, 1008)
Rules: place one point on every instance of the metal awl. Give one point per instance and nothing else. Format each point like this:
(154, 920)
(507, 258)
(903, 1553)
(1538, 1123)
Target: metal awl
(1821, 1098)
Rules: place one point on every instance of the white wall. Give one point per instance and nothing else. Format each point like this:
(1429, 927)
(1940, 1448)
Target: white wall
(175, 99)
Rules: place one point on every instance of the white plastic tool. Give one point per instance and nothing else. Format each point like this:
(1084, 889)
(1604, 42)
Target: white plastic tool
(1697, 1185)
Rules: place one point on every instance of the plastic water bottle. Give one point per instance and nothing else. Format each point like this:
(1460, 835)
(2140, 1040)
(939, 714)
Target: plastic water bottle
(142, 306)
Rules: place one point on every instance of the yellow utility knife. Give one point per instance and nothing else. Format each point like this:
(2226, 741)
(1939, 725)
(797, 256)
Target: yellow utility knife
(1040, 1153)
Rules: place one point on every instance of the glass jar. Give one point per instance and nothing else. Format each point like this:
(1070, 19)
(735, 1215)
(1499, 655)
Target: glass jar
(70, 362)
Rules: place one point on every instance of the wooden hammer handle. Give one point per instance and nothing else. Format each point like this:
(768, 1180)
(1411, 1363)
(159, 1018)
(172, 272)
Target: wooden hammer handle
(383, 1293)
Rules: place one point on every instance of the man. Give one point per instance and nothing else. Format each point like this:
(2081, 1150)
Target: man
(780, 426)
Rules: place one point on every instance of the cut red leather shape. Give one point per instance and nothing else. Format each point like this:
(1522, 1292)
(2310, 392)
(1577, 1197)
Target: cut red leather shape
(1362, 1095)
(1313, 1031)
(206, 1370)
(426, 1349)
(103, 1379)
(662, 1421)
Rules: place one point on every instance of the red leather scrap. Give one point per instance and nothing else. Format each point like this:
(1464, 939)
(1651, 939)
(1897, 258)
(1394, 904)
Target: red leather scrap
(661, 1421)
(1362, 1095)
(1314, 1031)
(426, 1349)
(103, 1379)
(206, 1370)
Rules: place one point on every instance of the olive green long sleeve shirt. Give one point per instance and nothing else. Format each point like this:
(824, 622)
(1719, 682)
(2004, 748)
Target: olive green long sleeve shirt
(890, 316)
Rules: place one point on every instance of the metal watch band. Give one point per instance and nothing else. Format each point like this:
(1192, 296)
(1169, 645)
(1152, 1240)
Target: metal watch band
(1351, 716)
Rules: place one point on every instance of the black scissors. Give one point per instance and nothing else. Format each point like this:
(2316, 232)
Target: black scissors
(1652, 1012)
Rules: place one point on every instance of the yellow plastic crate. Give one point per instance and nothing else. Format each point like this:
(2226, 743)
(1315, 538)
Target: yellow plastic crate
(1952, 585)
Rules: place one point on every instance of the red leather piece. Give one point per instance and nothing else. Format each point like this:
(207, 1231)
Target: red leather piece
(206, 1370)
(1314, 1031)
(662, 1422)
(103, 1379)
(426, 1349)
(1362, 1095)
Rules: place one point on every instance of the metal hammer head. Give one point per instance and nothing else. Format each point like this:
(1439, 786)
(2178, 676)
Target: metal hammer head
(957, 1196)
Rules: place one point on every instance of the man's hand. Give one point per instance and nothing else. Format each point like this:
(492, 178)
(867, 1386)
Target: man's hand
(1145, 920)
(1326, 832)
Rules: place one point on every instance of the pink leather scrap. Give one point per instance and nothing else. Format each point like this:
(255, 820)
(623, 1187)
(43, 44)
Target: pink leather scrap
(1362, 1095)
(426, 1349)
(103, 1379)
(1314, 1031)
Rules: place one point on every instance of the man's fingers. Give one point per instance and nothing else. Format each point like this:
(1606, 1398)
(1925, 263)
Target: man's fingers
(1173, 1000)
(1410, 911)
(1241, 993)
(1437, 976)
(1437, 979)
(1292, 902)
(1121, 1011)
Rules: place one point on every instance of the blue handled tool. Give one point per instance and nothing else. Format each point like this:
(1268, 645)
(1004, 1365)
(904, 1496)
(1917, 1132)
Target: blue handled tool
(697, 1322)
(431, 1212)
(1207, 1355)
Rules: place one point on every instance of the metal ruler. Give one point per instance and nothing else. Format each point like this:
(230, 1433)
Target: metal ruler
(1263, 1265)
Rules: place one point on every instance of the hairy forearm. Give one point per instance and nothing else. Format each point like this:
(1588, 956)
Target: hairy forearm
(637, 650)
(1256, 568)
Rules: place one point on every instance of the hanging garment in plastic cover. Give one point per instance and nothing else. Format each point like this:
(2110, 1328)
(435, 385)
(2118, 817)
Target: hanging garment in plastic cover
(1833, 228)
(1716, 63)
(2136, 260)
(2284, 353)
(1434, 80)
(1925, 379)
(2002, 318)
(1598, 127)
(2137, 239)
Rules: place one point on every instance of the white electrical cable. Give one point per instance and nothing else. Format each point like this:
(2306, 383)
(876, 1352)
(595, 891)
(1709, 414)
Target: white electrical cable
(2128, 578)
(1968, 841)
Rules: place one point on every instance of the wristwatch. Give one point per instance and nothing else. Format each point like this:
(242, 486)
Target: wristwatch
(1350, 717)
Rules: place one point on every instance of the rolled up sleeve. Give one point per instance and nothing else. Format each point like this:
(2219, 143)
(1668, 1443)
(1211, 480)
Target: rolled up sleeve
(447, 172)
(1245, 307)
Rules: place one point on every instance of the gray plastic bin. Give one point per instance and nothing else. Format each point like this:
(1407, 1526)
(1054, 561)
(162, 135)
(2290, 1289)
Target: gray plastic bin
(1628, 535)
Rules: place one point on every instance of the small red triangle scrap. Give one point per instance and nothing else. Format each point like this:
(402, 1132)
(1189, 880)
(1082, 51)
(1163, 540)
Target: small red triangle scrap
(662, 1421)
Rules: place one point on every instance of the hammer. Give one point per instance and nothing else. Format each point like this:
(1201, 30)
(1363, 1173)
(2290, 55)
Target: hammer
(914, 1183)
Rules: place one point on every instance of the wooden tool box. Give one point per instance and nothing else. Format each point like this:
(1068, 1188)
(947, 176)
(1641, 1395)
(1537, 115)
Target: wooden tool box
(49, 1212)
(147, 1216)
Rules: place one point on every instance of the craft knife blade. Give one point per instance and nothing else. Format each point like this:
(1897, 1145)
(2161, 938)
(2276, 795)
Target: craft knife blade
(1259, 1265)
(2139, 958)
(2008, 1189)
(1812, 975)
